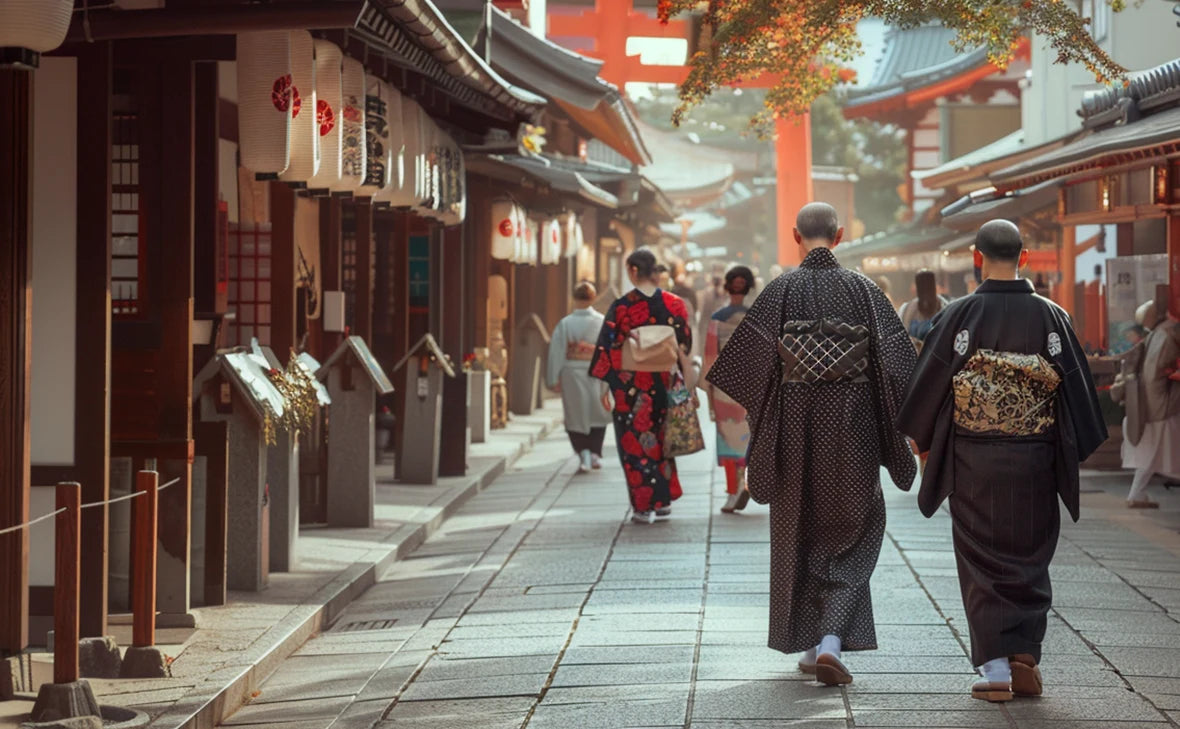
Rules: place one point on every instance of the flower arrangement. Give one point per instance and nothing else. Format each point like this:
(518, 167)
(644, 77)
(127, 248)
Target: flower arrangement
(297, 386)
(476, 361)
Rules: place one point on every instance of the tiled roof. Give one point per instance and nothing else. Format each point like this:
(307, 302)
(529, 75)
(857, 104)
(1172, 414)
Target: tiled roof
(912, 58)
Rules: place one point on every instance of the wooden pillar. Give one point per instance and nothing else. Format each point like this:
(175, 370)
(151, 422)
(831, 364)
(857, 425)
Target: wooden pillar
(364, 270)
(282, 267)
(175, 305)
(67, 552)
(479, 243)
(452, 293)
(1174, 264)
(16, 346)
(793, 174)
(92, 433)
(324, 343)
(206, 188)
(1068, 258)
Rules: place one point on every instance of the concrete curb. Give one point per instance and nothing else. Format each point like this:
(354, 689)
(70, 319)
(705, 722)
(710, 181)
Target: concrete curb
(204, 707)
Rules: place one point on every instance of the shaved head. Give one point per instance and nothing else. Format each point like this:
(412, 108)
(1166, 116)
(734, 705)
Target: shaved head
(999, 240)
(817, 221)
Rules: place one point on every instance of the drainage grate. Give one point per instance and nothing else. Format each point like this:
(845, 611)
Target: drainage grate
(360, 625)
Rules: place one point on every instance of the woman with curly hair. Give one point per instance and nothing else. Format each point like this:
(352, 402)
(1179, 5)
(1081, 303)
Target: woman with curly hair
(641, 349)
(733, 432)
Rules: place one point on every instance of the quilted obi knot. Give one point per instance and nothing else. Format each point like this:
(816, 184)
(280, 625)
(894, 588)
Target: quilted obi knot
(824, 350)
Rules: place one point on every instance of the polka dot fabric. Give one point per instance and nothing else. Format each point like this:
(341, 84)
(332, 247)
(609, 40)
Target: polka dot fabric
(816, 451)
(640, 398)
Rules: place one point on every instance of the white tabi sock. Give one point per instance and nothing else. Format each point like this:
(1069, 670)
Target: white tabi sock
(809, 656)
(829, 644)
(997, 670)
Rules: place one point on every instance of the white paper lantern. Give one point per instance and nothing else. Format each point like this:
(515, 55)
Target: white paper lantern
(503, 229)
(305, 131)
(454, 182)
(522, 236)
(579, 238)
(329, 114)
(378, 124)
(532, 240)
(264, 101)
(569, 226)
(393, 144)
(353, 150)
(411, 121)
(551, 242)
(32, 25)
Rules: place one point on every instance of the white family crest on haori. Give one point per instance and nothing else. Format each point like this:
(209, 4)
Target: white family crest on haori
(962, 342)
(1054, 344)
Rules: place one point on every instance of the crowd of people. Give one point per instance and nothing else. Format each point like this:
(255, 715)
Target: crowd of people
(814, 382)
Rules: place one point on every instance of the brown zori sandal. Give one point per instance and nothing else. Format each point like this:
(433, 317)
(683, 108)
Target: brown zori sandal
(994, 691)
(1026, 675)
(830, 671)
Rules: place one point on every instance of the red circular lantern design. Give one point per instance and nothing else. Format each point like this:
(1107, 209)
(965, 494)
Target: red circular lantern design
(296, 102)
(351, 113)
(324, 116)
(506, 227)
(280, 93)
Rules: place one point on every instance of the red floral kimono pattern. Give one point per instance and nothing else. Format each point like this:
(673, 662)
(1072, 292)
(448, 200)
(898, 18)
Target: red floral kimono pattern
(641, 397)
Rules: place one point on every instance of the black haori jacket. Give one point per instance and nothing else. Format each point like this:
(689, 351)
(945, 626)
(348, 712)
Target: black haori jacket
(1003, 316)
(784, 417)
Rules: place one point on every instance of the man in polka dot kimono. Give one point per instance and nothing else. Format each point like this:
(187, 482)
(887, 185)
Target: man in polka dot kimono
(821, 363)
(1003, 409)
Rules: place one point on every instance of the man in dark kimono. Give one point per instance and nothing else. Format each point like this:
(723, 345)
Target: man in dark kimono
(1003, 408)
(820, 364)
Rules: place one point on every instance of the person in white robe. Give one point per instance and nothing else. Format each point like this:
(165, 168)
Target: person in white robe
(568, 372)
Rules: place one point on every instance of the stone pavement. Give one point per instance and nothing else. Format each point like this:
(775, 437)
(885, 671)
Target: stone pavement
(538, 604)
(235, 646)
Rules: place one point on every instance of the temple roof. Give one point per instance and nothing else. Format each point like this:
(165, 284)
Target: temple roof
(683, 168)
(570, 80)
(912, 58)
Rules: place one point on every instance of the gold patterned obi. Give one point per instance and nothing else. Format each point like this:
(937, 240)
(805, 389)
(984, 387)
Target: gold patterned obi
(824, 350)
(1005, 393)
(579, 350)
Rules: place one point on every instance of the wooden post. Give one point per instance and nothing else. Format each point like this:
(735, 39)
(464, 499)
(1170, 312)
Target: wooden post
(67, 580)
(16, 117)
(282, 268)
(143, 560)
(213, 441)
(1174, 264)
(92, 411)
(330, 222)
(364, 271)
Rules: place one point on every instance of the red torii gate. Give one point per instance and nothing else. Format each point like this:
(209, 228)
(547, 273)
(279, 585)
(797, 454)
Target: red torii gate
(612, 22)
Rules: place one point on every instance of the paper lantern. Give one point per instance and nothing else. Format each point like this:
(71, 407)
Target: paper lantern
(579, 238)
(569, 230)
(377, 129)
(503, 229)
(532, 241)
(551, 242)
(32, 27)
(264, 101)
(329, 114)
(305, 129)
(454, 182)
(406, 155)
(393, 144)
(522, 236)
(353, 151)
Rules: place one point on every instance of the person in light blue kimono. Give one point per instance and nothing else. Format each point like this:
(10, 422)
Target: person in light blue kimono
(568, 372)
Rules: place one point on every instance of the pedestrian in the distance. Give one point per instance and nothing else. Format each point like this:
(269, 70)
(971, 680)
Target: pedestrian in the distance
(1003, 409)
(820, 363)
(918, 313)
(733, 432)
(1151, 443)
(641, 348)
(567, 371)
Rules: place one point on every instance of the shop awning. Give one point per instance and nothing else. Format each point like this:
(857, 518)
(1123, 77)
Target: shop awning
(517, 168)
(911, 239)
(568, 79)
(1097, 149)
(967, 213)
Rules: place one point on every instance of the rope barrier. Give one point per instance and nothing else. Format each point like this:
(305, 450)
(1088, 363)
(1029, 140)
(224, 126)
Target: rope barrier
(31, 522)
(114, 500)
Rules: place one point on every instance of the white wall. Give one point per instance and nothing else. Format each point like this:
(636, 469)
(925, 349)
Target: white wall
(1142, 36)
(54, 260)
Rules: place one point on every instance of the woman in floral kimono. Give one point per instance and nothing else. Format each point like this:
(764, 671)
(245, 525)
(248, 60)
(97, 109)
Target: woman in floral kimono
(733, 432)
(639, 398)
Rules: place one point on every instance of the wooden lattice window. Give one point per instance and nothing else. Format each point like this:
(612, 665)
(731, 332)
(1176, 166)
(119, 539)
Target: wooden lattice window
(128, 262)
(249, 282)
